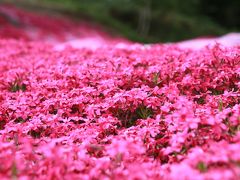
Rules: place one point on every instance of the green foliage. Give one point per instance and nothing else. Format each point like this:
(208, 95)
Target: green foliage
(19, 120)
(129, 118)
(155, 79)
(144, 112)
(220, 105)
(34, 133)
(202, 167)
(17, 85)
(151, 20)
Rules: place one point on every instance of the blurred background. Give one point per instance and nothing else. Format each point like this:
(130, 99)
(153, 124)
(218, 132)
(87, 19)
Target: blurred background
(148, 20)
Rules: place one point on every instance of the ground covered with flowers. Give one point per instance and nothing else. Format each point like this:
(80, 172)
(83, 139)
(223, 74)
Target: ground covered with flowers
(115, 110)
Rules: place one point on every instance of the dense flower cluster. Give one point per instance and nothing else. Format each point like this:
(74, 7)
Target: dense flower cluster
(119, 112)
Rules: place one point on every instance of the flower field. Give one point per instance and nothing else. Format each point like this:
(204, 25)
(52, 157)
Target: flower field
(77, 103)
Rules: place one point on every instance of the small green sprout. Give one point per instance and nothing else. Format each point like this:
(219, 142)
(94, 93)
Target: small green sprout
(220, 105)
(17, 85)
(129, 118)
(202, 167)
(144, 112)
(155, 79)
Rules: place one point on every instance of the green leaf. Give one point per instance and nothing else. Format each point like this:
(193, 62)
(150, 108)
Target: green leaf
(155, 80)
(144, 112)
(202, 167)
(220, 105)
